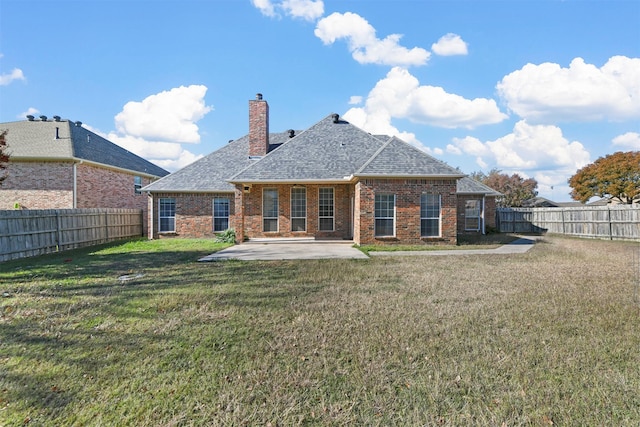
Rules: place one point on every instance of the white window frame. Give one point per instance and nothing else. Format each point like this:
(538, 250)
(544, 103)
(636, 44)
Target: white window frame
(216, 215)
(467, 215)
(424, 215)
(332, 208)
(277, 210)
(172, 218)
(295, 208)
(386, 217)
(137, 184)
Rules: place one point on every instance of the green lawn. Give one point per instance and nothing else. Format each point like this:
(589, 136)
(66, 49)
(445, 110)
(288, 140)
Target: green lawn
(140, 334)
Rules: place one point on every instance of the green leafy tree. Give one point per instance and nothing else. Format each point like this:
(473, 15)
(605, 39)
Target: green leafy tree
(4, 156)
(616, 175)
(514, 188)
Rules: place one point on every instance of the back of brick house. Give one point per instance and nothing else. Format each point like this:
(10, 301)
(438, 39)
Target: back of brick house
(58, 164)
(330, 181)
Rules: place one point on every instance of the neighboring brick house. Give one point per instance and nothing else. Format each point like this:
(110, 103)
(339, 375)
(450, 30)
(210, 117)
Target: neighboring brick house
(58, 164)
(331, 181)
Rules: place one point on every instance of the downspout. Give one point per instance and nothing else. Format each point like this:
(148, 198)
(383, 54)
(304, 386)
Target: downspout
(150, 226)
(75, 185)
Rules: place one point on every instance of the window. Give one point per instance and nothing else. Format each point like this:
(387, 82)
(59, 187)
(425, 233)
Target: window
(220, 213)
(167, 215)
(298, 209)
(472, 215)
(137, 184)
(270, 209)
(385, 214)
(325, 209)
(430, 215)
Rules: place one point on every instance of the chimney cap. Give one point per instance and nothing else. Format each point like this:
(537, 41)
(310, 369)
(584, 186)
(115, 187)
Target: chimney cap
(259, 96)
(56, 118)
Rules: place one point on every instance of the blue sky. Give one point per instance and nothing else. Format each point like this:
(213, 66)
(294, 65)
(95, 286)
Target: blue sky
(540, 88)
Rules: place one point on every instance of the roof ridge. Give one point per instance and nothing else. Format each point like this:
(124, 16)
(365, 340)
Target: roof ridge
(376, 154)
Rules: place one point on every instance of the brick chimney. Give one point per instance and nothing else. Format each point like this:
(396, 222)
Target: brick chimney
(258, 126)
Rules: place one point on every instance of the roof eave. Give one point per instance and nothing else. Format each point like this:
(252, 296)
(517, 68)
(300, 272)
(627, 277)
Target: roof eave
(79, 160)
(409, 176)
(343, 180)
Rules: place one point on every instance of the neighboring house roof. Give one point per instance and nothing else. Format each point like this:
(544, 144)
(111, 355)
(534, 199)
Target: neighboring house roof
(541, 202)
(66, 140)
(468, 185)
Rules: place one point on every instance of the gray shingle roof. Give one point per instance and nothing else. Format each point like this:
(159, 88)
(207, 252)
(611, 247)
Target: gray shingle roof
(327, 151)
(469, 185)
(37, 140)
(396, 158)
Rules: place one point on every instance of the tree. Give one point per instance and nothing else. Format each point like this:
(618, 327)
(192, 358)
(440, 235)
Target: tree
(616, 175)
(4, 156)
(515, 189)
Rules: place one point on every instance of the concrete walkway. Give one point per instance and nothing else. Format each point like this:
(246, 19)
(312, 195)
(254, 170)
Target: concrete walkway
(519, 246)
(281, 249)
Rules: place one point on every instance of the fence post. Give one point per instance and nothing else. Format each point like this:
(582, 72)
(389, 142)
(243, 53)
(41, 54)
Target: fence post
(106, 225)
(563, 229)
(58, 231)
(610, 225)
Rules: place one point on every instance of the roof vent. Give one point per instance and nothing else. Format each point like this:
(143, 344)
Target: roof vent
(259, 96)
(292, 133)
(30, 117)
(78, 124)
(336, 117)
(43, 118)
(56, 118)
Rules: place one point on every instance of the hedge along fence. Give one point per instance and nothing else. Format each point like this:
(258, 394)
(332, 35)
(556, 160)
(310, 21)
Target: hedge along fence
(25, 233)
(616, 222)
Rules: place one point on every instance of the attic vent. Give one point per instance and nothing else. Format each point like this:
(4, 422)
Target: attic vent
(259, 96)
(56, 118)
(336, 117)
(43, 118)
(292, 133)
(78, 124)
(30, 117)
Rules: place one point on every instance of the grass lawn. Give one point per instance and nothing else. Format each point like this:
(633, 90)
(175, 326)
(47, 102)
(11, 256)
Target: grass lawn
(139, 334)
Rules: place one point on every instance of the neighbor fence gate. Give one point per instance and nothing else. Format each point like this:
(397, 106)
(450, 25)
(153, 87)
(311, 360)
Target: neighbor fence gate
(25, 233)
(616, 222)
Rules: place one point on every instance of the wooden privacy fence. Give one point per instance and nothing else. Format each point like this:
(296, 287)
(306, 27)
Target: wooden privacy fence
(616, 222)
(25, 233)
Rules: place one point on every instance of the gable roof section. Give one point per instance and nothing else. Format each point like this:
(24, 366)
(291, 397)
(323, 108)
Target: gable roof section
(396, 158)
(468, 185)
(210, 173)
(36, 140)
(326, 152)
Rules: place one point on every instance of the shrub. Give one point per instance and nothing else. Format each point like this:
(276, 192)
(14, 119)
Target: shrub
(227, 236)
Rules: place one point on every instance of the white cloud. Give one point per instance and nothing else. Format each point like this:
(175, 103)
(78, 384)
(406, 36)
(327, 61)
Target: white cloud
(449, 45)
(355, 100)
(540, 149)
(166, 116)
(629, 140)
(266, 7)
(309, 10)
(30, 111)
(365, 47)
(8, 78)
(548, 93)
(306, 9)
(399, 95)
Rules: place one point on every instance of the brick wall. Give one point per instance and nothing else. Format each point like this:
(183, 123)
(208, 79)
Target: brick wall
(38, 185)
(194, 214)
(49, 185)
(252, 226)
(408, 193)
